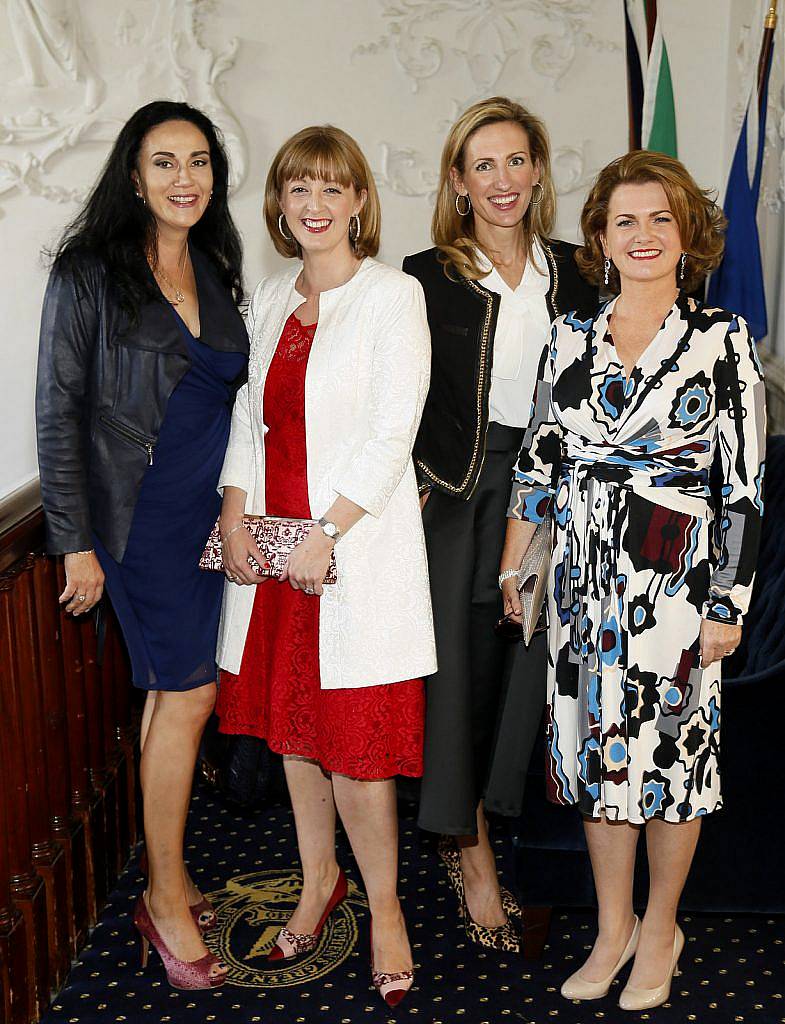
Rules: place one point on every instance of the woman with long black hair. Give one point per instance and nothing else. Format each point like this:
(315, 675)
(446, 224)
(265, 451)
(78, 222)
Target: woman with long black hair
(142, 350)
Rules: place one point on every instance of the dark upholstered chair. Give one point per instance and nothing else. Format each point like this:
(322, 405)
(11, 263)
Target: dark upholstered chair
(739, 863)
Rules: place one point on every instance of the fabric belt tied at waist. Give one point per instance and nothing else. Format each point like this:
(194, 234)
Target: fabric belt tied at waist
(591, 591)
(679, 488)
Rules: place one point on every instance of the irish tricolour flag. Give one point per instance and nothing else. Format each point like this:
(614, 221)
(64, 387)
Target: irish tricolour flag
(652, 113)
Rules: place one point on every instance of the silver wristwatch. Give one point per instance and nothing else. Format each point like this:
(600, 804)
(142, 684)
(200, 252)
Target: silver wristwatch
(330, 530)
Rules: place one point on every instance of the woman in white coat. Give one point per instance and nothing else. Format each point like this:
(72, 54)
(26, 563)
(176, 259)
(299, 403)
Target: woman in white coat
(331, 675)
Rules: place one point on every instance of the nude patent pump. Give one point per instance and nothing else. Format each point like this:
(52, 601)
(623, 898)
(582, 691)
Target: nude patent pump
(576, 987)
(646, 998)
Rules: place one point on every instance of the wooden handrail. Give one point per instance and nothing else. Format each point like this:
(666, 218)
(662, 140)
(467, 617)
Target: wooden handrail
(21, 524)
(67, 792)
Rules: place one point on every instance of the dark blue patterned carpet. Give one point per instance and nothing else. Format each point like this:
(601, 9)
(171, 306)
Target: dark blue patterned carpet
(733, 968)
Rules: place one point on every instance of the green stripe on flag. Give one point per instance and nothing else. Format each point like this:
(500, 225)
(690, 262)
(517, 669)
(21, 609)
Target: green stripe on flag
(662, 137)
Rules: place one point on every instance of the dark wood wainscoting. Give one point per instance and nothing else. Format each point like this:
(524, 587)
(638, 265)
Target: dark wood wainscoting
(68, 806)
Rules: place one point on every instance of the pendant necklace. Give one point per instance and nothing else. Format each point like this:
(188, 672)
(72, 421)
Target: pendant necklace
(178, 292)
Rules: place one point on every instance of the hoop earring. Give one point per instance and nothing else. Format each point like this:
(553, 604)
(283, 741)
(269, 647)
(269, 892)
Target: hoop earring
(607, 268)
(280, 227)
(538, 200)
(682, 264)
(468, 210)
(354, 219)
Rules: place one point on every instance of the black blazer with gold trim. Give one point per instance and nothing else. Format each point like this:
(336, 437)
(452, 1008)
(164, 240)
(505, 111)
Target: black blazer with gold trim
(450, 445)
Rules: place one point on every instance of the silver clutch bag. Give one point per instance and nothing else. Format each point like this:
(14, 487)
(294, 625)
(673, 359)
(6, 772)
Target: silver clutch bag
(533, 577)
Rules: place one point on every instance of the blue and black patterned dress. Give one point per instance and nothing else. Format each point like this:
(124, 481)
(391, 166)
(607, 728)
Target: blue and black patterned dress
(641, 553)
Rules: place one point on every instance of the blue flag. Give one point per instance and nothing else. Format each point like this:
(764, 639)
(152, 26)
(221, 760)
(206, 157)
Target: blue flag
(737, 284)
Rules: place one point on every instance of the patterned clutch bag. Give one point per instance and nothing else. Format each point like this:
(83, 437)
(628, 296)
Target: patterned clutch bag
(275, 537)
(533, 577)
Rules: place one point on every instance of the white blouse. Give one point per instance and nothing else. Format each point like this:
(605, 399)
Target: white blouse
(522, 329)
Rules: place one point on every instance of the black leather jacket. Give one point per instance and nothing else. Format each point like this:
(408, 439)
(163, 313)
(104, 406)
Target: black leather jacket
(450, 445)
(102, 392)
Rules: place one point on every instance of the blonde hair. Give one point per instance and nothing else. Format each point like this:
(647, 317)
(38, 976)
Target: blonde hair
(454, 235)
(700, 220)
(325, 153)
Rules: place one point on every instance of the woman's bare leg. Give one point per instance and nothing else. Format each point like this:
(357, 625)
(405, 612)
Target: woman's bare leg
(480, 876)
(175, 727)
(147, 717)
(369, 813)
(670, 847)
(314, 817)
(612, 852)
(192, 893)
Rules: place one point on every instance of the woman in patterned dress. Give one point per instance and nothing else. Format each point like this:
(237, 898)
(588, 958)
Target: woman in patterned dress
(650, 577)
(331, 676)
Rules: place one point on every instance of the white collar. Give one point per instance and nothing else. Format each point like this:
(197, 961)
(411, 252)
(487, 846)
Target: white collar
(536, 279)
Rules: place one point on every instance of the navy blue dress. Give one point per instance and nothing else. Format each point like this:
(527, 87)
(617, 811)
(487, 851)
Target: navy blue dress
(167, 606)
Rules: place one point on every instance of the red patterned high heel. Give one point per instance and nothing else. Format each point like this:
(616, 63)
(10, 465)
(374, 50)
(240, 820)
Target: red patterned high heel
(390, 987)
(290, 944)
(203, 912)
(181, 974)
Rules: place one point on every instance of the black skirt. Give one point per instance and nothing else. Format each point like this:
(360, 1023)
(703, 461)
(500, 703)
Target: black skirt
(485, 703)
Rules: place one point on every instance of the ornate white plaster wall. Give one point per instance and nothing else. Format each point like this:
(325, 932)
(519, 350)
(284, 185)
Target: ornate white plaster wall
(392, 72)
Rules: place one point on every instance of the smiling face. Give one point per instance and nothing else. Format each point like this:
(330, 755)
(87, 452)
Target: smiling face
(499, 174)
(174, 174)
(642, 237)
(318, 212)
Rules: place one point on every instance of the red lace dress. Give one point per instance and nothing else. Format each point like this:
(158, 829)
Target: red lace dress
(373, 732)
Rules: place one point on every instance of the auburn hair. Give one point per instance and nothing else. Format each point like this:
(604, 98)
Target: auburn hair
(324, 153)
(700, 220)
(455, 236)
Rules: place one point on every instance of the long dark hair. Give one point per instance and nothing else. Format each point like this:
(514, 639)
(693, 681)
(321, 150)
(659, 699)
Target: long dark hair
(116, 227)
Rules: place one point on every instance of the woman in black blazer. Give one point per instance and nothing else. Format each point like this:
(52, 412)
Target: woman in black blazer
(142, 349)
(493, 283)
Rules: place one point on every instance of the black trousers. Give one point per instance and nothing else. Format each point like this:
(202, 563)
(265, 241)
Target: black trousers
(485, 703)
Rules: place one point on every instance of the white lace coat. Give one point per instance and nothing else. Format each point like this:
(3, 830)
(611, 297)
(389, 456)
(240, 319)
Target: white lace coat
(365, 387)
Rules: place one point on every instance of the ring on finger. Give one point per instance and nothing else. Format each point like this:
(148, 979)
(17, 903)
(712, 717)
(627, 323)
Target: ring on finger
(309, 590)
(82, 597)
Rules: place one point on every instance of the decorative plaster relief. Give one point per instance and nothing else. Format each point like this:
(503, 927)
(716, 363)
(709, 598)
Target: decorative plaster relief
(484, 34)
(407, 172)
(63, 100)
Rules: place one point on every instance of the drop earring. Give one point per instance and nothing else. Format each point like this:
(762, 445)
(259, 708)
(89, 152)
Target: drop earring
(607, 268)
(682, 265)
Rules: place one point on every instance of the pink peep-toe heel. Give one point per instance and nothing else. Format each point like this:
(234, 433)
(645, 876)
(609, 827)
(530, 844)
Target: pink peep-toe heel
(181, 974)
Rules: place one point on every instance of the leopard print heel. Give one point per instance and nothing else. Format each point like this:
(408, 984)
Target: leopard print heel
(503, 937)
